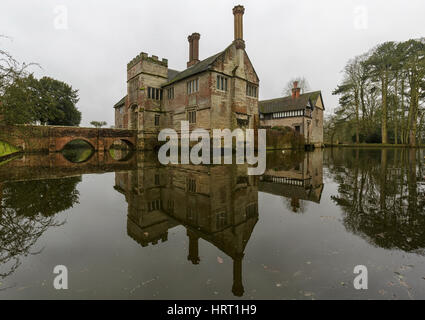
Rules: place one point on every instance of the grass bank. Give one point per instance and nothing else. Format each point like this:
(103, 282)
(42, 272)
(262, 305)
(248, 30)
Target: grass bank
(6, 149)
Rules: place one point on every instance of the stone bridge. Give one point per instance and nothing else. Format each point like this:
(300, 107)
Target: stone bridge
(55, 138)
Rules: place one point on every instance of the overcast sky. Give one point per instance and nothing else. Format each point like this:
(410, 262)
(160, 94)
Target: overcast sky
(87, 43)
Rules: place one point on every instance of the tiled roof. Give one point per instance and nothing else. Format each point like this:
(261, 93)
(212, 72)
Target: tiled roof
(288, 103)
(195, 69)
(120, 103)
(172, 74)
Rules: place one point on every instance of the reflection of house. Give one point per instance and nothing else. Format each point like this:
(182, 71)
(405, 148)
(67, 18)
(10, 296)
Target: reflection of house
(297, 180)
(216, 203)
(215, 93)
(301, 112)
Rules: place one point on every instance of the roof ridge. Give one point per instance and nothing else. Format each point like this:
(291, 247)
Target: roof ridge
(193, 69)
(285, 97)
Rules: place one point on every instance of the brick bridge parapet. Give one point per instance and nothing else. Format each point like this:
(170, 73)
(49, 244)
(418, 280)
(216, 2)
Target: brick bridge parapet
(55, 138)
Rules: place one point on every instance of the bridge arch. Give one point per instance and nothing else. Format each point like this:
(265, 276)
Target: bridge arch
(120, 149)
(63, 142)
(78, 151)
(127, 141)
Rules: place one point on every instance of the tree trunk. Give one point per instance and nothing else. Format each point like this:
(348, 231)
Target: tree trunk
(396, 111)
(384, 131)
(383, 180)
(356, 98)
(413, 113)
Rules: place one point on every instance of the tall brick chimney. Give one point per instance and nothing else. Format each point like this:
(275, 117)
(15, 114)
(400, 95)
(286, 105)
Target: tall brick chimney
(193, 49)
(295, 90)
(238, 12)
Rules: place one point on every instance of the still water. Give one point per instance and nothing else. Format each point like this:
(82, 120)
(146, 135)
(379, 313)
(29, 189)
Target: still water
(134, 229)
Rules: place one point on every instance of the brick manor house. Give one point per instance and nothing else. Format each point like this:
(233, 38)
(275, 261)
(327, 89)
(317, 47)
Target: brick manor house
(302, 112)
(216, 93)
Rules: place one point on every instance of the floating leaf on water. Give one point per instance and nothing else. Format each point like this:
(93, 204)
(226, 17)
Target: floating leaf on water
(298, 273)
(405, 267)
(404, 284)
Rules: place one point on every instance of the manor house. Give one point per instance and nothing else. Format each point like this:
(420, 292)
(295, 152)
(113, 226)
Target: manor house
(301, 112)
(218, 92)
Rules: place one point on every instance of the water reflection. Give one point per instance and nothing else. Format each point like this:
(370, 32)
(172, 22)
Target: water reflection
(27, 210)
(78, 151)
(296, 176)
(121, 151)
(377, 194)
(382, 195)
(216, 203)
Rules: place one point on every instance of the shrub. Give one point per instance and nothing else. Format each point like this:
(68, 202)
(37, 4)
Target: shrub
(284, 137)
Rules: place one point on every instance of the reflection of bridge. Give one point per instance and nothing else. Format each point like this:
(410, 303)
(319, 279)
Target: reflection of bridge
(54, 138)
(54, 165)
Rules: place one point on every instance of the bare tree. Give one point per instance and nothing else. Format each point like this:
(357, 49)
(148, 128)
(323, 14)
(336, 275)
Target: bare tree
(10, 68)
(302, 84)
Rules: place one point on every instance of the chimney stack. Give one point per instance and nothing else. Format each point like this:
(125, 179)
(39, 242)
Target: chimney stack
(238, 12)
(295, 90)
(193, 49)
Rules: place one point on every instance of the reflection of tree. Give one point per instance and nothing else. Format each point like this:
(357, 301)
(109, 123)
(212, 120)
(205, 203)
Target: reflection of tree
(41, 197)
(27, 210)
(378, 191)
(77, 151)
(295, 204)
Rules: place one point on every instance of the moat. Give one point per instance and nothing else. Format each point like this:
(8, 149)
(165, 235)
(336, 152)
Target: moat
(127, 227)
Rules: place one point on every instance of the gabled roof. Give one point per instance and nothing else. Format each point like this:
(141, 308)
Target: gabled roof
(288, 103)
(120, 103)
(195, 69)
(172, 74)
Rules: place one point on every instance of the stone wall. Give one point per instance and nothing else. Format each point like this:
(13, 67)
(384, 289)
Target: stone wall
(317, 125)
(214, 108)
(54, 138)
(311, 128)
